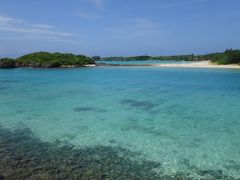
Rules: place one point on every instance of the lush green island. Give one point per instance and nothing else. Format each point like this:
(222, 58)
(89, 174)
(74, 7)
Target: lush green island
(47, 60)
(56, 60)
(228, 57)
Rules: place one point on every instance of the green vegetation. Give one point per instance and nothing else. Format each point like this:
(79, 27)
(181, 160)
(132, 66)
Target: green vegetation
(7, 63)
(46, 60)
(190, 57)
(228, 57)
(166, 58)
(52, 60)
(55, 60)
(96, 58)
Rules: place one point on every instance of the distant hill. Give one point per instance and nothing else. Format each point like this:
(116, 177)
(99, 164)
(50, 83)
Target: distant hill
(228, 57)
(144, 58)
(47, 60)
(50, 60)
(55, 60)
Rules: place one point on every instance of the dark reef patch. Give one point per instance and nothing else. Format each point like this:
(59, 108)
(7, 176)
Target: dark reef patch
(232, 165)
(3, 88)
(24, 156)
(79, 109)
(82, 109)
(145, 105)
(9, 81)
(207, 173)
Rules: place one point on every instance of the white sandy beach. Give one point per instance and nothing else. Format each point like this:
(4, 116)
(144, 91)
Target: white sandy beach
(202, 64)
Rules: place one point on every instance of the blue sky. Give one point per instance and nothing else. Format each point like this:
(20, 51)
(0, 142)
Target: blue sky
(118, 27)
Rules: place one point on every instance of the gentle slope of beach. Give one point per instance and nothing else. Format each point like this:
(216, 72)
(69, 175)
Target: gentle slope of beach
(176, 64)
(201, 64)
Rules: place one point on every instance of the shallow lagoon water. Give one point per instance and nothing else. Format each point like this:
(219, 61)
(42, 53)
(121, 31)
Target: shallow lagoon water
(184, 119)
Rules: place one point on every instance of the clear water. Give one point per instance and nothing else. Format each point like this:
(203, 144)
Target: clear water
(146, 62)
(183, 118)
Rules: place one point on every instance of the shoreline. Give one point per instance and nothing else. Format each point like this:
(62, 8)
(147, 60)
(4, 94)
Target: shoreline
(201, 64)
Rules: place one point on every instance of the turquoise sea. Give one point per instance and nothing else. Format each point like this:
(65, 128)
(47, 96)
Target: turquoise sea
(185, 120)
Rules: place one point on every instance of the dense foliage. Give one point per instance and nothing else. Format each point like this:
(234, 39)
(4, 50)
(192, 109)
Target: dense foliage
(52, 60)
(143, 58)
(190, 57)
(7, 63)
(228, 57)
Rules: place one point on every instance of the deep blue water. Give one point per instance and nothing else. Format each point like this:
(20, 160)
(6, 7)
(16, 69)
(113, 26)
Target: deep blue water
(180, 117)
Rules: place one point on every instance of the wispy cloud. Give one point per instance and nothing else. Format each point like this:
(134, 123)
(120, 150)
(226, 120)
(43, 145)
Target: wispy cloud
(44, 26)
(5, 19)
(99, 4)
(12, 27)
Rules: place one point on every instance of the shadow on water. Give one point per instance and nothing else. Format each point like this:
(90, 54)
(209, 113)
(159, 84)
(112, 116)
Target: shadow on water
(145, 105)
(24, 156)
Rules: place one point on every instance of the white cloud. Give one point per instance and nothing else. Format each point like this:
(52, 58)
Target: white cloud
(44, 26)
(17, 28)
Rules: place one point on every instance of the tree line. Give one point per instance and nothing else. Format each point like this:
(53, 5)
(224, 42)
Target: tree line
(46, 60)
(55, 60)
(230, 56)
